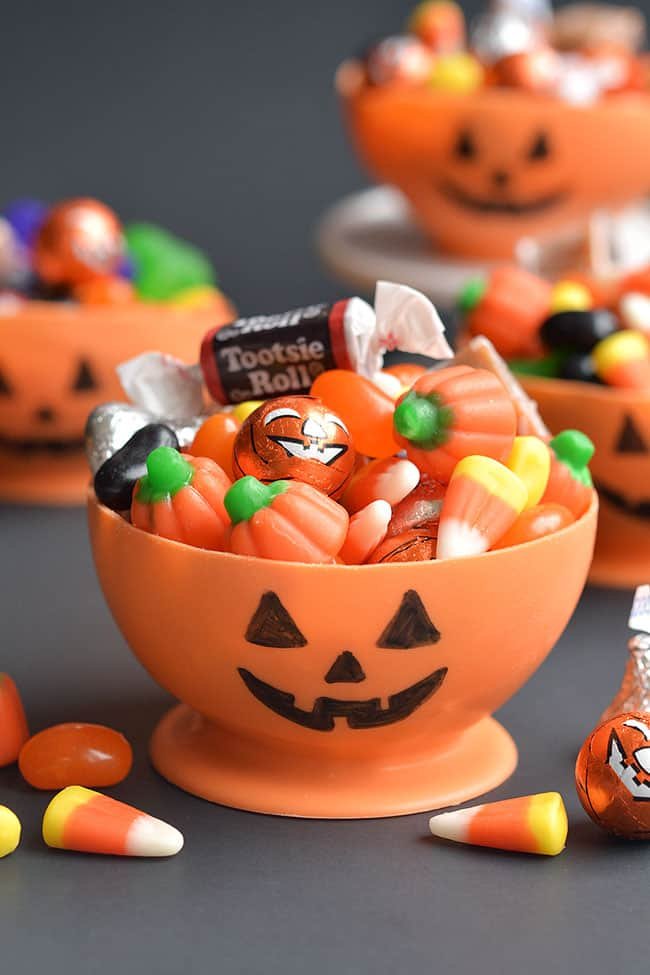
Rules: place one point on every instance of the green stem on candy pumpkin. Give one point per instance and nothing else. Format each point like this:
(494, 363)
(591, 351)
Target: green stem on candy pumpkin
(247, 496)
(471, 294)
(167, 473)
(575, 450)
(423, 420)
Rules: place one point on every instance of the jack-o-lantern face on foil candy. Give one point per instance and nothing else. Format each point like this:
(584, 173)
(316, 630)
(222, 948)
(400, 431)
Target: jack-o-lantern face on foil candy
(410, 627)
(296, 437)
(613, 775)
(483, 171)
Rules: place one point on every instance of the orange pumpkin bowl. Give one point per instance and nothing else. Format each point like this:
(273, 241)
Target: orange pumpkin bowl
(57, 362)
(483, 170)
(618, 422)
(294, 730)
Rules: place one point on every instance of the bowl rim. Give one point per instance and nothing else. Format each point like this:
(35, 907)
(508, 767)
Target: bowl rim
(575, 387)
(485, 95)
(164, 543)
(30, 309)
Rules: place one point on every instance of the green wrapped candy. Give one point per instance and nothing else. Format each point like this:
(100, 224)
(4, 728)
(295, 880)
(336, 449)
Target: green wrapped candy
(164, 265)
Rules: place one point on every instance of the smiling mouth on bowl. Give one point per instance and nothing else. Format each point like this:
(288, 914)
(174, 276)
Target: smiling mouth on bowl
(513, 208)
(635, 509)
(40, 445)
(359, 714)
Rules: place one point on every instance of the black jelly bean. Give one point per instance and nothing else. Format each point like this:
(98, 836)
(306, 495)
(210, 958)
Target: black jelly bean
(578, 331)
(579, 367)
(116, 478)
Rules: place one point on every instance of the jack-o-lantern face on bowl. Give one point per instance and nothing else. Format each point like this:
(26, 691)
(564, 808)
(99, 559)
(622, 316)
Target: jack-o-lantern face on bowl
(618, 422)
(57, 362)
(336, 690)
(482, 171)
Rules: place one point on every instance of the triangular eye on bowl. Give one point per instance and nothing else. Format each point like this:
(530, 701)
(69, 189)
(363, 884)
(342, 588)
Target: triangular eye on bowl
(5, 388)
(465, 147)
(84, 380)
(630, 440)
(271, 625)
(410, 627)
(540, 148)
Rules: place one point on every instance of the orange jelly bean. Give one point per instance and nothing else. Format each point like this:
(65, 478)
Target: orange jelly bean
(13, 723)
(216, 438)
(75, 754)
(543, 519)
(365, 409)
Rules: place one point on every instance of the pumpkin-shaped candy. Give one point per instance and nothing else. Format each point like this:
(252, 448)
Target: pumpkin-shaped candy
(286, 520)
(182, 498)
(509, 309)
(570, 483)
(452, 413)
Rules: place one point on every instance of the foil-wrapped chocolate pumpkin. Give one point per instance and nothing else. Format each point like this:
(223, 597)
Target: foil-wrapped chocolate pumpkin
(613, 775)
(296, 437)
(80, 241)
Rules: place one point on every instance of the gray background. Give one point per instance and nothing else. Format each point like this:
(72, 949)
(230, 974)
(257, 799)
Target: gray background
(219, 122)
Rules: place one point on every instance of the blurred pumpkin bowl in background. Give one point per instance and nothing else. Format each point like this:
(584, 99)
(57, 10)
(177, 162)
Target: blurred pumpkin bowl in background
(57, 362)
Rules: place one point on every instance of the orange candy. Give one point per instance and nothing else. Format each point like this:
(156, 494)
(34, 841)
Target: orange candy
(286, 520)
(105, 291)
(80, 240)
(390, 479)
(452, 413)
(543, 519)
(510, 311)
(181, 497)
(419, 509)
(75, 754)
(406, 372)
(366, 410)
(416, 545)
(215, 439)
(89, 822)
(367, 529)
(13, 723)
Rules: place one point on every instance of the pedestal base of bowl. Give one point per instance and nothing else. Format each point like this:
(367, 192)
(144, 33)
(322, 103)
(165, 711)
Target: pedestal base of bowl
(210, 762)
(612, 570)
(48, 486)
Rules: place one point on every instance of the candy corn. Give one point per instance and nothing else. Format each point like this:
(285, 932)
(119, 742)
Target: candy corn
(89, 822)
(483, 500)
(533, 523)
(10, 830)
(13, 723)
(530, 460)
(623, 359)
(390, 479)
(527, 824)
(367, 529)
(569, 481)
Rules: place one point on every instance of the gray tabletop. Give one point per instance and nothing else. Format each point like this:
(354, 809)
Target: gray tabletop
(255, 894)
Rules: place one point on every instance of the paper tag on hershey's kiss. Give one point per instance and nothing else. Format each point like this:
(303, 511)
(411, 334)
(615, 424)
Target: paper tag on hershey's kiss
(640, 614)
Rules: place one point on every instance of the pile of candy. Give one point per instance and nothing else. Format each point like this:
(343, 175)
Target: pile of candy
(571, 330)
(71, 757)
(580, 54)
(78, 251)
(407, 465)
